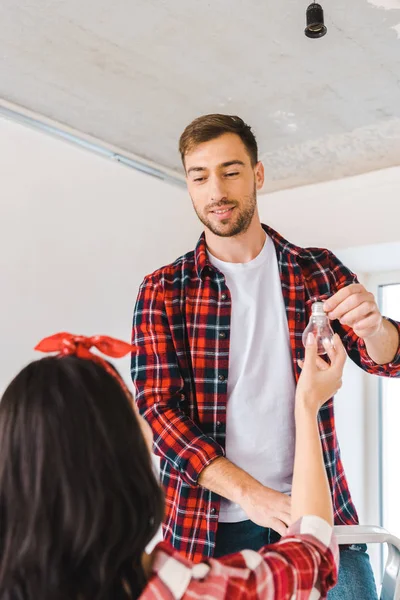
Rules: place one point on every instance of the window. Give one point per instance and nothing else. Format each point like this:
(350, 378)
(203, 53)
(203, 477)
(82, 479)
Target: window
(381, 412)
(389, 299)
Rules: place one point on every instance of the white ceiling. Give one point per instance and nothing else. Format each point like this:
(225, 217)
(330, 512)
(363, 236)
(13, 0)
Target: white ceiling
(133, 74)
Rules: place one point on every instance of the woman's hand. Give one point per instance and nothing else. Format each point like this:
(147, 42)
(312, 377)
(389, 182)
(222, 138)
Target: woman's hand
(320, 380)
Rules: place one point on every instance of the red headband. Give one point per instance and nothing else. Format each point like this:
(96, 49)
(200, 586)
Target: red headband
(67, 344)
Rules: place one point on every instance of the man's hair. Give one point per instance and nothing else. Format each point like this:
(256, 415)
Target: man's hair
(79, 501)
(209, 127)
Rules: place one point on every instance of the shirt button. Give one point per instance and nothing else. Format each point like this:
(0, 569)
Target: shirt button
(221, 377)
(222, 334)
(219, 424)
(213, 511)
(298, 316)
(223, 296)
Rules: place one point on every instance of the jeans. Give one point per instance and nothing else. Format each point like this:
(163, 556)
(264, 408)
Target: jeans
(356, 579)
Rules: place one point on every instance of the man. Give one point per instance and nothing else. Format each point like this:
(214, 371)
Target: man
(219, 338)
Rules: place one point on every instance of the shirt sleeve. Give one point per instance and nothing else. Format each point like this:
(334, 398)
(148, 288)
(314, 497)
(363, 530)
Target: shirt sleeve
(159, 388)
(301, 566)
(355, 346)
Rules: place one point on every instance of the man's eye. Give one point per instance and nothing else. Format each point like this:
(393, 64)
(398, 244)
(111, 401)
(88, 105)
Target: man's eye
(199, 179)
(232, 174)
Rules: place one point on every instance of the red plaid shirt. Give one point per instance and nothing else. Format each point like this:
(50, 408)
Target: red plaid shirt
(302, 565)
(181, 328)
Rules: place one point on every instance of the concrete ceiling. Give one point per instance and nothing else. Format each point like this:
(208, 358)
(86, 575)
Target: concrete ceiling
(133, 74)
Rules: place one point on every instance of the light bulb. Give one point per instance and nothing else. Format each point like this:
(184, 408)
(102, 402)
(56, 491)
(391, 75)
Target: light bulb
(319, 326)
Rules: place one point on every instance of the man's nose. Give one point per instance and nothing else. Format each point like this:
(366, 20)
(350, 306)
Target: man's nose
(218, 191)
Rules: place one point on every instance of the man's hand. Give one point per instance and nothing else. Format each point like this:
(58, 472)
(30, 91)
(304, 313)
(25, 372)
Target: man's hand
(264, 506)
(354, 306)
(268, 508)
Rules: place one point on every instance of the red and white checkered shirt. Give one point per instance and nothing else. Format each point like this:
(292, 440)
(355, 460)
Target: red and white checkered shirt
(180, 369)
(302, 565)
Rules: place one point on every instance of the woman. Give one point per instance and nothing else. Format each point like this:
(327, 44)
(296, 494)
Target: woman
(79, 501)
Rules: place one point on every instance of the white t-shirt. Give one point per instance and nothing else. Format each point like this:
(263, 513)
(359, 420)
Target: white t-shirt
(260, 429)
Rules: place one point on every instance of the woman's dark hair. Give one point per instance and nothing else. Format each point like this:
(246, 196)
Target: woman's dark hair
(79, 500)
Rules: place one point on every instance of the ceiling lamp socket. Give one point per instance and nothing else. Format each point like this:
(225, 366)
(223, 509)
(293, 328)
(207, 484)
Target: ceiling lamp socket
(315, 27)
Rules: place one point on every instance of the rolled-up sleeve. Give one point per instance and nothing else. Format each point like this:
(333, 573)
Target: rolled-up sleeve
(302, 565)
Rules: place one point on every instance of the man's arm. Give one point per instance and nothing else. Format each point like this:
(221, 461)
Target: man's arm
(372, 341)
(264, 506)
(159, 389)
(355, 307)
(383, 346)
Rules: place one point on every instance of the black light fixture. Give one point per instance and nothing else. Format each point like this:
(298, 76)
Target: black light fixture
(315, 21)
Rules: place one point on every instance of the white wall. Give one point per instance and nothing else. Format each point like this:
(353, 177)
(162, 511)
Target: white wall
(357, 211)
(77, 235)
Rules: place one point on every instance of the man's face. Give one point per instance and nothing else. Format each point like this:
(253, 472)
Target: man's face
(223, 184)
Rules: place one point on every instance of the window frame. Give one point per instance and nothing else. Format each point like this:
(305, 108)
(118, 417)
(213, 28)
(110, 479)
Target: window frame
(375, 282)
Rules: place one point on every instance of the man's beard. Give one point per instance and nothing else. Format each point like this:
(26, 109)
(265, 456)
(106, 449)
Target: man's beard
(239, 225)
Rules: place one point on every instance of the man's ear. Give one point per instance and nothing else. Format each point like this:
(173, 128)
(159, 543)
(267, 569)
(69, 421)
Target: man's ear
(259, 173)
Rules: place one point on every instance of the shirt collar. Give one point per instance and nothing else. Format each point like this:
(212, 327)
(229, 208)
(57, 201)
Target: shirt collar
(203, 263)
